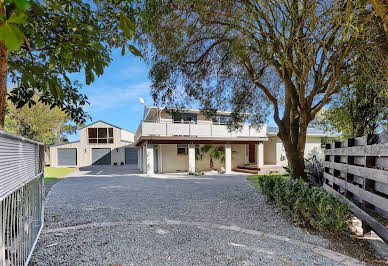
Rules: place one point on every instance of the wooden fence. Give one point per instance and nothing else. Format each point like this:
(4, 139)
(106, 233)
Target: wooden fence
(357, 171)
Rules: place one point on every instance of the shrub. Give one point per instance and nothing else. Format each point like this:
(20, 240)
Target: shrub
(309, 206)
(314, 170)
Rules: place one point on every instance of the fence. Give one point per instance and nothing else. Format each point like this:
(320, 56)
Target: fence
(21, 198)
(357, 171)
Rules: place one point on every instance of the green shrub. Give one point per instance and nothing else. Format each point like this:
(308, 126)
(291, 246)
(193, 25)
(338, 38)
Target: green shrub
(310, 206)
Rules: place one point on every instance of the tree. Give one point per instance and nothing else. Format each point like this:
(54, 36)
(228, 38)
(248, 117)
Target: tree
(362, 106)
(39, 122)
(381, 9)
(214, 153)
(42, 43)
(243, 54)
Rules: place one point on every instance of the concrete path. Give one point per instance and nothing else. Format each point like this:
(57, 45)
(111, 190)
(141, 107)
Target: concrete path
(106, 218)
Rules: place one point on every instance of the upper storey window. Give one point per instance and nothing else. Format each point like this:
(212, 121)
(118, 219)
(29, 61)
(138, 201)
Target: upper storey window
(220, 120)
(100, 135)
(184, 118)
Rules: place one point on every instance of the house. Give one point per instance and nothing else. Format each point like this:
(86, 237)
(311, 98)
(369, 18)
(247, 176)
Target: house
(169, 140)
(100, 143)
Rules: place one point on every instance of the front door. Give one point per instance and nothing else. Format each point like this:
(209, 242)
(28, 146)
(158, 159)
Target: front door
(252, 152)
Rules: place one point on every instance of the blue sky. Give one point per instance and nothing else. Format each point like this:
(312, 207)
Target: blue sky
(114, 97)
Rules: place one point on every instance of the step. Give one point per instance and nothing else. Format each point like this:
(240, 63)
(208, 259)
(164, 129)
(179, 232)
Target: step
(246, 171)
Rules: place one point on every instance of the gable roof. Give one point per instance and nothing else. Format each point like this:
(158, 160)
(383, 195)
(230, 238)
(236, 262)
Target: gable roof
(271, 130)
(101, 122)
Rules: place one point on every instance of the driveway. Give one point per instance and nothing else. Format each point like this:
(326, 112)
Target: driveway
(133, 219)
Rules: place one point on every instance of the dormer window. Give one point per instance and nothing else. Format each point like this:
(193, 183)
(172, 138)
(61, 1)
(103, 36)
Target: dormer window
(100, 135)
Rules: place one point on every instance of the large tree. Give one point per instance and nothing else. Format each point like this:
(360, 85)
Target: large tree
(39, 122)
(244, 54)
(362, 106)
(43, 42)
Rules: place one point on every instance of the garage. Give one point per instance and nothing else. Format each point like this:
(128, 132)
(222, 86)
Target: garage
(101, 156)
(131, 155)
(67, 157)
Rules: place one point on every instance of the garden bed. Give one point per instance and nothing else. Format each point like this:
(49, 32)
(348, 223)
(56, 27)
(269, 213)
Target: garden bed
(317, 211)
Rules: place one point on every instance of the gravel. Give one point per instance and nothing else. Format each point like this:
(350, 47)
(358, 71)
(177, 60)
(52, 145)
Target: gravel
(226, 200)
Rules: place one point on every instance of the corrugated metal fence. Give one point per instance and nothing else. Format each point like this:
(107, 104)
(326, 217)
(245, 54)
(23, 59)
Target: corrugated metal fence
(21, 197)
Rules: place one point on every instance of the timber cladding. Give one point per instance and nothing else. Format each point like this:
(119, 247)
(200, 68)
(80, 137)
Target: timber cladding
(357, 171)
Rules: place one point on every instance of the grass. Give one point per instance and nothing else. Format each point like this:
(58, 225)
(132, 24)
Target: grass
(53, 174)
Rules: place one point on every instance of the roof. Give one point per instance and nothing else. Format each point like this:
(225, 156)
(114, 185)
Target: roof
(105, 123)
(65, 143)
(271, 130)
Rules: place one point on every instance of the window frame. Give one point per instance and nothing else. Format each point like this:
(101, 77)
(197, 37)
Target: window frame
(184, 147)
(99, 139)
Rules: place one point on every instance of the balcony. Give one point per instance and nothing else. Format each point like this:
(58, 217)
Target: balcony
(199, 129)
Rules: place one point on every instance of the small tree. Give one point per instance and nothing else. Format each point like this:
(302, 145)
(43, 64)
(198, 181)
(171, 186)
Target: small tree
(214, 153)
(243, 55)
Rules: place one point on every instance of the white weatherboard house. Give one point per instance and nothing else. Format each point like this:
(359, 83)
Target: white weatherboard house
(100, 143)
(168, 142)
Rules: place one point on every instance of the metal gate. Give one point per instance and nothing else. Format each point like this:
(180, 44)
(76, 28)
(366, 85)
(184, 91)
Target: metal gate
(21, 198)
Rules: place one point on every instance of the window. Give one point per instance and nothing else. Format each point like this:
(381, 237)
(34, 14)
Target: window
(100, 135)
(184, 118)
(182, 148)
(220, 120)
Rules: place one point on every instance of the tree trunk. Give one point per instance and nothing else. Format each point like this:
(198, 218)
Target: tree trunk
(3, 76)
(294, 147)
(211, 164)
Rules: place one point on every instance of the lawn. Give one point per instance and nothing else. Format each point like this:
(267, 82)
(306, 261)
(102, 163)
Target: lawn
(53, 174)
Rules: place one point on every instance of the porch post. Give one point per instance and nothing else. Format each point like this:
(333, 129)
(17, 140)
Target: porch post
(150, 159)
(228, 158)
(144, 159)
(260, 155)
(192, 158)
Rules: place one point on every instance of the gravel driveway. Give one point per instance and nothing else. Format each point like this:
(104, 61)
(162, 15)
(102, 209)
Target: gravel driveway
(132, 219)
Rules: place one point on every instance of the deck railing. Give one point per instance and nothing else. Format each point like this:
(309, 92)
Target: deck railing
(198, 129)
(357, 171)
(21, 198)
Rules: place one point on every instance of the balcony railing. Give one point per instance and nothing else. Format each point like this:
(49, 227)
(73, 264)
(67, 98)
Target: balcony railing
(199, 129)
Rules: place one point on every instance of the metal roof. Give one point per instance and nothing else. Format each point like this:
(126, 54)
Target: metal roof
(271, 130)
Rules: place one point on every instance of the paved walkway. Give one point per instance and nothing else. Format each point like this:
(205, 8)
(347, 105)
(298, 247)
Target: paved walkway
(107, 218)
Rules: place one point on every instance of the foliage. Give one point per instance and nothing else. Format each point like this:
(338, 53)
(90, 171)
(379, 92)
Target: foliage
(50, 40)
(362, 106)
(40, 123)
(315, 169)
(249, 55)
(310, 206)
(216, 152)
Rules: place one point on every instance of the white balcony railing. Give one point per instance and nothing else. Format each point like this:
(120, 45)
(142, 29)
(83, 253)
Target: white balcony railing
(151, 128)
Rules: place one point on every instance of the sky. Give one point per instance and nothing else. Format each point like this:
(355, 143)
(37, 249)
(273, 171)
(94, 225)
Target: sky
(114, 96)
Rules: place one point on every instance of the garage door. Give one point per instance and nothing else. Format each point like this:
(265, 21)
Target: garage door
(131, 155)
(67, 156)
(101, 156)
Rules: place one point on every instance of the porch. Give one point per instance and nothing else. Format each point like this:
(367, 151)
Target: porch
(180, 154)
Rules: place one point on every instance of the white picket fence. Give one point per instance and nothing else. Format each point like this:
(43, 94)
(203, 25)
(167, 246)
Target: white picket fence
(21, 198)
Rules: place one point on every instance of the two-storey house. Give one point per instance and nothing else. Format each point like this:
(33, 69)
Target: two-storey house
(169, 140)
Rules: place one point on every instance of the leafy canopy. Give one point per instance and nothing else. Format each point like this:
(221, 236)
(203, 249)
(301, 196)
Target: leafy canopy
(39, 122)
(50, 40)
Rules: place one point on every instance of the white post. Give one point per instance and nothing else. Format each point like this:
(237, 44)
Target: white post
(192, 158)
(260, 155)
(144, 159)
(228, 158)
(150, 159)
